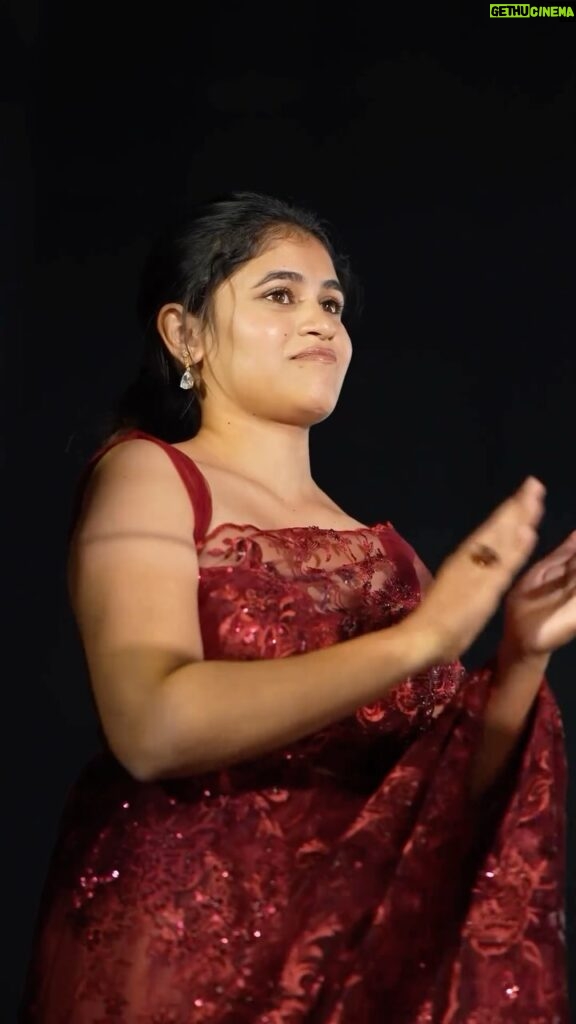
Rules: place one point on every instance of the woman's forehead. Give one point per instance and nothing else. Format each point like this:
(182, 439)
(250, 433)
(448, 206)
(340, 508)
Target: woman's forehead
(301, 253)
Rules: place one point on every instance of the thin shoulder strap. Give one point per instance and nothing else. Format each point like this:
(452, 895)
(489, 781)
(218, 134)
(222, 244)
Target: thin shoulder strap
(193, 479)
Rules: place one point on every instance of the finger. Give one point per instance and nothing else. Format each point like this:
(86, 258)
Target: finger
(528, 500)
(557, 558)
(570, 574)
(531, 499)
(557, 564)
(525, 506)
(532, 485)
(564, 549)
(558, 579)
(551, 573)
(569, 586)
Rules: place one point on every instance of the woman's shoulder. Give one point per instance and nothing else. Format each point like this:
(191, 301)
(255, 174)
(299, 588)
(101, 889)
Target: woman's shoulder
(127, 448)
(130, 482)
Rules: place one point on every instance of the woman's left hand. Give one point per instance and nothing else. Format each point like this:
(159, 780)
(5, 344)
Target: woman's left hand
(540, 610)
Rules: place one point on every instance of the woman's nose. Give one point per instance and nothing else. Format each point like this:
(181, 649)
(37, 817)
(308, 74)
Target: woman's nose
(318, 322)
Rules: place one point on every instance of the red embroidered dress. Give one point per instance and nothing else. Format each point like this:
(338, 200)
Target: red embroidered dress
(344, 880)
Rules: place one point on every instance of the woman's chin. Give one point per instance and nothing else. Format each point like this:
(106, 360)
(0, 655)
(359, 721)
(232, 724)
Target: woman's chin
(313, 414)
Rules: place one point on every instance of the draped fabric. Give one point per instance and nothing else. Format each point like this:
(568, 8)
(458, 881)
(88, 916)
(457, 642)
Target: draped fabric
(347, 879)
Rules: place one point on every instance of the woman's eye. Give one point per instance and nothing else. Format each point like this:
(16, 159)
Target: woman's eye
(334, 306)
(284, 296)
(280, 295)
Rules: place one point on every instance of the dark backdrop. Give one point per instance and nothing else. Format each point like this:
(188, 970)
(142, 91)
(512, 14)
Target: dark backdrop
(443, 151)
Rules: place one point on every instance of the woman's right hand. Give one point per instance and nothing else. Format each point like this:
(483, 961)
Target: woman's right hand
(469, 586)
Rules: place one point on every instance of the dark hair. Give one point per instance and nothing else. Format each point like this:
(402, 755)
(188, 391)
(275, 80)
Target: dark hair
(194, 254)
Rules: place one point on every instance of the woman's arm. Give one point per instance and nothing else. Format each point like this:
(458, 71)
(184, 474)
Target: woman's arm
(515, 686)
(133, 577)
(540, 617)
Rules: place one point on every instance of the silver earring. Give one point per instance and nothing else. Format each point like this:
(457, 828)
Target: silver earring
(187, 380)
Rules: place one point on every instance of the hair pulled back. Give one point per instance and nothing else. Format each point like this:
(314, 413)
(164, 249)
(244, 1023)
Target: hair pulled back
(187, 262)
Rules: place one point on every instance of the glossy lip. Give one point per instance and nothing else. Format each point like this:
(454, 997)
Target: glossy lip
(325, 353)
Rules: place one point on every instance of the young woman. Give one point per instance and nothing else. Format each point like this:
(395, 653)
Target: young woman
(306, 809)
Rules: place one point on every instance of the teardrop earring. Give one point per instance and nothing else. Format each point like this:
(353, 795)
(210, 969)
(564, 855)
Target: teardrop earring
(187, 380)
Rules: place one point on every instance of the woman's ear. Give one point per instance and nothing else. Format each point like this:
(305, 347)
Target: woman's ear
(181, 335)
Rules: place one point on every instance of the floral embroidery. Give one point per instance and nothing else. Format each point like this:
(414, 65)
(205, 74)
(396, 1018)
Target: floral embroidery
(345, 880)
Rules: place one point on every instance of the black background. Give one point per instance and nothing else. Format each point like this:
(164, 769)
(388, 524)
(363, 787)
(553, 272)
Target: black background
(441, 147)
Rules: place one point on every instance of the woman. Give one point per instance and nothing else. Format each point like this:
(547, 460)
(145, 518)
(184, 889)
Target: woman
(307, 810)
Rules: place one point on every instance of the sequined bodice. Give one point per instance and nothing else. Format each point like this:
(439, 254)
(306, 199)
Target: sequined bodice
(339, 880)
(262, 591)
(276, 593)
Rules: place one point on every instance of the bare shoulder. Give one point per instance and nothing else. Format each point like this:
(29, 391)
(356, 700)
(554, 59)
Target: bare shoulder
(133, 485)
(133, 585)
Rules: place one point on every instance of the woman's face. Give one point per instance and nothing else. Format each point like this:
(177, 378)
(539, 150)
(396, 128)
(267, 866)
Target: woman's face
(274, 307)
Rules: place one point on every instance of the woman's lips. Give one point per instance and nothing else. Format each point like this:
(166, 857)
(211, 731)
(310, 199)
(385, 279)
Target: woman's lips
(324, 355)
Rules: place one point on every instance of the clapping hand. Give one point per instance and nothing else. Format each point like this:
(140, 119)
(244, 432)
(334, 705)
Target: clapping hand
(540, 609)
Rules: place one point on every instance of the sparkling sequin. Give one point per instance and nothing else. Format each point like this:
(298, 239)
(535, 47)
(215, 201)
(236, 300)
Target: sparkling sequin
(314, 881)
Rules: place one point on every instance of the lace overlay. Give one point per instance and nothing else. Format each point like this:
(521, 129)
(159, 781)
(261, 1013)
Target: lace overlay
(271, 594)
(343, 880)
